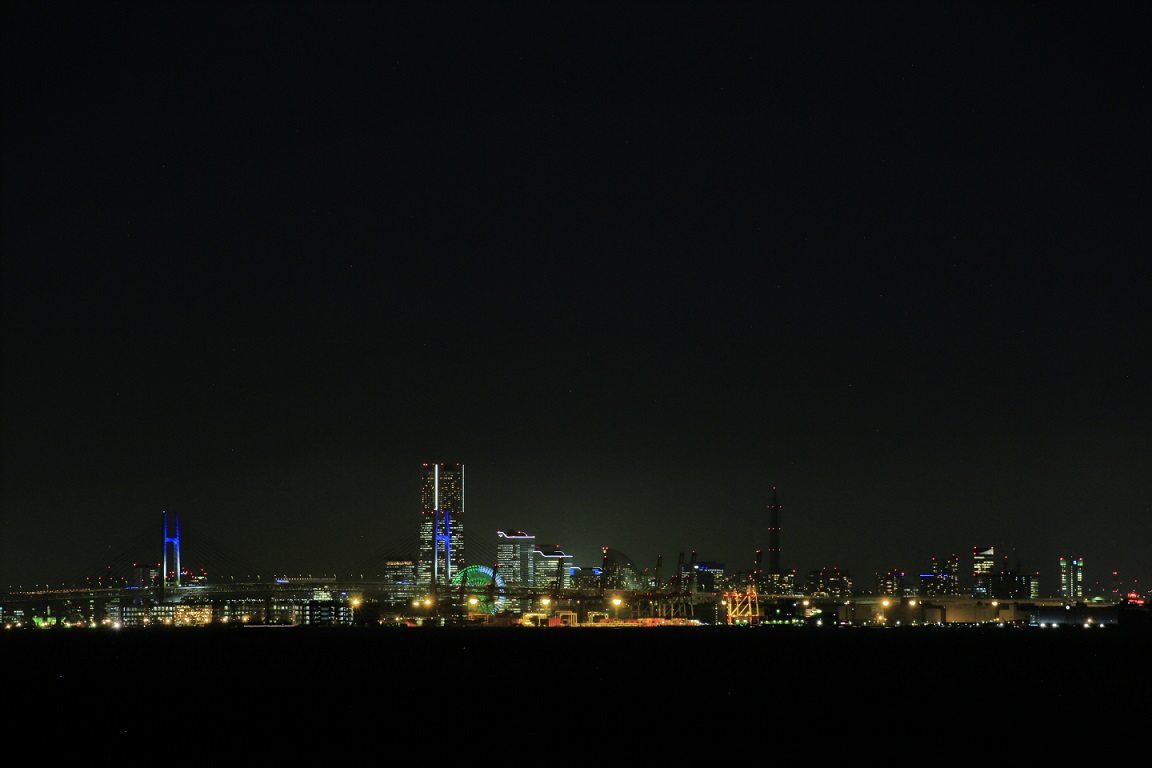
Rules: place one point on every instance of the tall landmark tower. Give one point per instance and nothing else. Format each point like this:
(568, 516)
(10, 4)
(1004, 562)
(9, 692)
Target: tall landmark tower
(774, 535)
(773, 580)
(441, 552)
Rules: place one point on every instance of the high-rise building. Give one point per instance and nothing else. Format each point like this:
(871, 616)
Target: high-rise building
(400, 575)
(441, 552)
(983, 566)
(944, 579)
(514, 557)
(516, 564)
(553, 570)
(1072, 578)
(1011, 585)
(891, 583)
(709, 577)
(828, 582)
(619, 571)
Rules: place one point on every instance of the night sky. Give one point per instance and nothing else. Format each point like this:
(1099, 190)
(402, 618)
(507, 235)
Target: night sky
(633, 264)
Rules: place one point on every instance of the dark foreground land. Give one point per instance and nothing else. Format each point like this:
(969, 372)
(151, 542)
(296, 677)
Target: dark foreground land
(512, 684)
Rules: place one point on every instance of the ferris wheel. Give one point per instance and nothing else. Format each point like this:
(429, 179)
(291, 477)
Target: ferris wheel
(480, 588)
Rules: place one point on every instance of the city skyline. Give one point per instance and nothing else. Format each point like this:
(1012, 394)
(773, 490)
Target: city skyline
(634, 265)
(979, 563)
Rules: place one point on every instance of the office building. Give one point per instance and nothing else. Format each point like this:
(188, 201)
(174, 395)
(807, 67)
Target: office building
(828, 582)
(983, 566)
(514, 558)
(619, 572)
(516, 564)
(553, 568)
(1011, 585)
(709, 577)
(891, 584)
(400, 574)
(944, 578)
(1072, 578)
(441, 548)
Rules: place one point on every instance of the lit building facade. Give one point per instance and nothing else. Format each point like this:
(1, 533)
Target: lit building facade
(1072, 578)
(774, 583)
(400, 574)
(514, 558)
(828, 582)
(441, 552)
(709, 577)
(943, 580)
(891, 583)
(983, 566)
(619, 571)
(553, 568)
(516, 564)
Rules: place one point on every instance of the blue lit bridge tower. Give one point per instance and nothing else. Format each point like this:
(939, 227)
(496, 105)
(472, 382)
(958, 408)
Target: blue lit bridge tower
(171, 578)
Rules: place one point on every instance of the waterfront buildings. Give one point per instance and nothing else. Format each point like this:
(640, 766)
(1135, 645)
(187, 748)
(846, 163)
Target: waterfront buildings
(516, 563)
(553, 568)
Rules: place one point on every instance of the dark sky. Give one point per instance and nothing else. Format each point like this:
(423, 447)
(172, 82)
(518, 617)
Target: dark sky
(632, 264)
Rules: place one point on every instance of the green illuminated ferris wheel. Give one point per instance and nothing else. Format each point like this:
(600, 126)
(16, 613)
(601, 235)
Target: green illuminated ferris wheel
(480, 587)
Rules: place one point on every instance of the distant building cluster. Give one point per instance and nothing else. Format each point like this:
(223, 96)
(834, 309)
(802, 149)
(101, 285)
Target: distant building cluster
(520, 561)
(529, 582)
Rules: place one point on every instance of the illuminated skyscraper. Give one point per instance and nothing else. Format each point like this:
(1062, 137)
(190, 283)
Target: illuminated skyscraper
(1071, 578)
(516, 564)
(553, 569)
(441, 524)
(983, 565)
(514, 557)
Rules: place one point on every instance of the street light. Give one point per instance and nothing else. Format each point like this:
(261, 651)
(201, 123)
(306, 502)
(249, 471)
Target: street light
(616, 608)
(422, 608)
